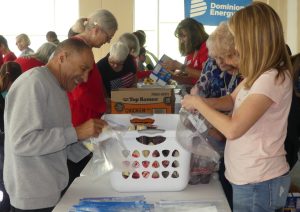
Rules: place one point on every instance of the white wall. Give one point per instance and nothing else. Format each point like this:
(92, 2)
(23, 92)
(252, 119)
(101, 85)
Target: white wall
(292, 31)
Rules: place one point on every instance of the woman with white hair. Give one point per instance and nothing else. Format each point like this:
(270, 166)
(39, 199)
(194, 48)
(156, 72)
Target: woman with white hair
(23, 43)
(40, 58)
(118, 69)
(88, 99)
(132, 42)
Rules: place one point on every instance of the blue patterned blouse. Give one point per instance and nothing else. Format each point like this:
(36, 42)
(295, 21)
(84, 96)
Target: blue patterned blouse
(216, 83)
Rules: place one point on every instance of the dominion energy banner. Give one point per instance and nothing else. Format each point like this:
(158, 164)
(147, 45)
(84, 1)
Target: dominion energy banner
(212, 12)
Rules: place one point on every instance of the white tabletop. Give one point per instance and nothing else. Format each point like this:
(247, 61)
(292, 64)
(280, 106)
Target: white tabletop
(87, 186)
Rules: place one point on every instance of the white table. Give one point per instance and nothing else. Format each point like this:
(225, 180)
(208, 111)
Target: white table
(87, 186)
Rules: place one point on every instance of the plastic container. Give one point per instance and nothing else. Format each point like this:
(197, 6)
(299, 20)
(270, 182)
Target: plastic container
(159, 162)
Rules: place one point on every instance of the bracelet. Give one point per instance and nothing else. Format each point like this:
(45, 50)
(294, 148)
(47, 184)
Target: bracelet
(182, 69)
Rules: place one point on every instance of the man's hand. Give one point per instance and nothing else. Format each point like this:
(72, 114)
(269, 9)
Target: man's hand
(90, 128)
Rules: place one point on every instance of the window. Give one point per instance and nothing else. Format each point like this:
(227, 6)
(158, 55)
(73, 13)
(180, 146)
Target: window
(35, 18)
(159, 19)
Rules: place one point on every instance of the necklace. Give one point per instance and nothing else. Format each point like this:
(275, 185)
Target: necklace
(231, 82)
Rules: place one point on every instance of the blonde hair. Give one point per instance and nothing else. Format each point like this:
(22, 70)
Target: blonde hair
(25, 38)
(259, 40)
(221, 41)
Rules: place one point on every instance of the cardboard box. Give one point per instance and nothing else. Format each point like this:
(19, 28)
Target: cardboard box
(142, 100)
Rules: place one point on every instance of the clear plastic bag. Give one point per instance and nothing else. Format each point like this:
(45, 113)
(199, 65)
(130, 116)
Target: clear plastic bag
(184, 205)
(109, 150)
(192, 130)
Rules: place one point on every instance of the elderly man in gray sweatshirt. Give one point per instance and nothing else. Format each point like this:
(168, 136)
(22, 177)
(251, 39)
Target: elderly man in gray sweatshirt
(39, 136)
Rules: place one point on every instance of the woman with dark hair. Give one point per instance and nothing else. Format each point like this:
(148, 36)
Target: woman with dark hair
(9, 72)
(4, 49)
(51, 36)
(192, 44)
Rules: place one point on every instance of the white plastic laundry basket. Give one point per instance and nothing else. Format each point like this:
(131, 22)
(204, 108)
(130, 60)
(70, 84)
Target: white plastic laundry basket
(161, 167)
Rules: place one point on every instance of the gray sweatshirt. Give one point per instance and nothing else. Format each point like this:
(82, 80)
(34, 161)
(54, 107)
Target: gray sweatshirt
(39, 137)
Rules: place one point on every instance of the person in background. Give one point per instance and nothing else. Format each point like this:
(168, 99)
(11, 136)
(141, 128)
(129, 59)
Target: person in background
(35, 165)
(39, 58)
(1, 59)
(254, 153)
(51, 36)
(219, 78)
(117, 68)
(132, 42)
(88, 99)
(7, 54)
(292, 143)
(296, 66)
(192, 44)
(9, 72)
(23, 43)
(142, 59)
(150, 59)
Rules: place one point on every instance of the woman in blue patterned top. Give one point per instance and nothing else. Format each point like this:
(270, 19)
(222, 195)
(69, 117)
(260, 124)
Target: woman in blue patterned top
(218, 78)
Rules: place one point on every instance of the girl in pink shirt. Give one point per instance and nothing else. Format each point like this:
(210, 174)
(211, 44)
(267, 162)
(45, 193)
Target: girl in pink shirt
(254, 154)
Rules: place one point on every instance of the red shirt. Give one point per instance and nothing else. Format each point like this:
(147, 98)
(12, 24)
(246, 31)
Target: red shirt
(10, 56)
(1, 59)
(87, 100)
(27, 63)
(196, 59)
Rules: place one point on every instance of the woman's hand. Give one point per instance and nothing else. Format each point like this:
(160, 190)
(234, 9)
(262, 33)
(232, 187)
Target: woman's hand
(195, 90)
(171, 65)
(190, 102)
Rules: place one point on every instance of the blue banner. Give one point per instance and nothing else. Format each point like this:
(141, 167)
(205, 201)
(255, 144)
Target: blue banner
(212, 12)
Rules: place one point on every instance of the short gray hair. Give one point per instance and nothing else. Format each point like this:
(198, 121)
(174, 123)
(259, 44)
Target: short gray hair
(132, 42)
(103, 18)
(119, 51)
(25, 38)
(44, 52)
(220, 41)
(79, 26)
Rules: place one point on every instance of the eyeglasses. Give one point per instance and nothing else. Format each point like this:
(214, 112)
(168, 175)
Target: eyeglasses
(107, 36)
(115, 63)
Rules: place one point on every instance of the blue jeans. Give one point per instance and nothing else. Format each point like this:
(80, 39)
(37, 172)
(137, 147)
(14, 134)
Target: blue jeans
(266, 196)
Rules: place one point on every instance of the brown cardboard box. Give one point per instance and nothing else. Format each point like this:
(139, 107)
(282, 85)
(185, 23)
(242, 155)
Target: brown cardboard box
(142, 100)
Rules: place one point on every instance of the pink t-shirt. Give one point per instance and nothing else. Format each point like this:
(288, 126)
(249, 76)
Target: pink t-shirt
(259, 154)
